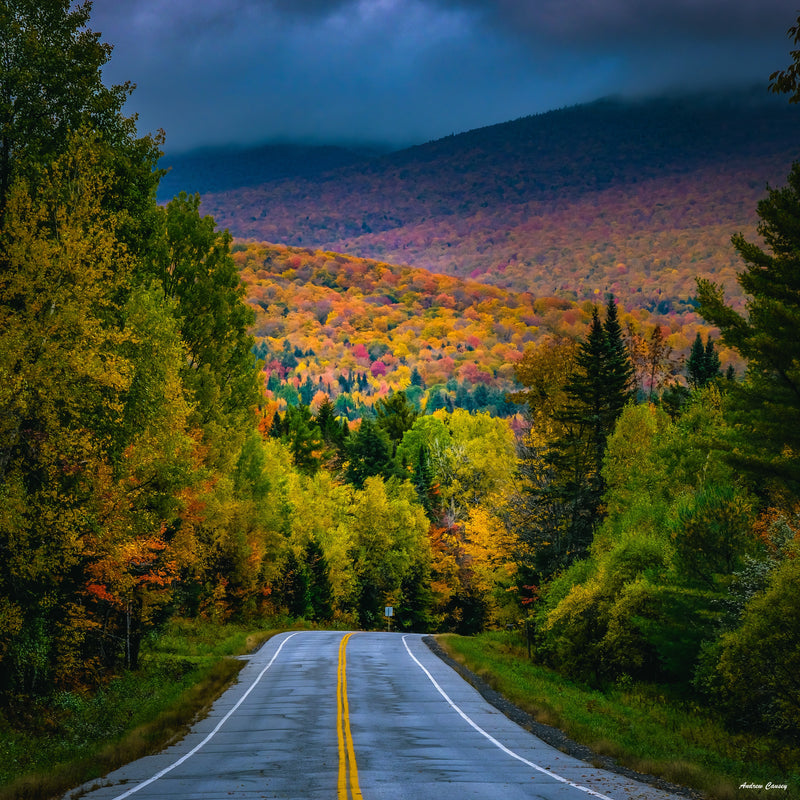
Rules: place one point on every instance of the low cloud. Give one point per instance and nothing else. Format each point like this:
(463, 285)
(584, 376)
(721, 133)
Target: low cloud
(401, 71)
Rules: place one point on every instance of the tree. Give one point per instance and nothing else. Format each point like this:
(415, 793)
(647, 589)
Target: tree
(767, 402)
(319, 582)
(703, 364)
(50, 87)
(94, 441)
(787, 81)
(759, 661)
(369, 453)
(302, 435)
(388, 530)
(194, 266)
(395, 415)
(565, 497)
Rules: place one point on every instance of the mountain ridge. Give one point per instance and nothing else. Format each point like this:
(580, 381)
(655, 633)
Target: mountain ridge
(566, 202)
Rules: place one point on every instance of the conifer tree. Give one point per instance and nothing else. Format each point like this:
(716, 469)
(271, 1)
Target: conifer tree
(703, 364)
(320, 591)
(598, 389)
(369, 453)
(395, 415)
(767, 402)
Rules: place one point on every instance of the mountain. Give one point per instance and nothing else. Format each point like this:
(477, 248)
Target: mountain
(224, 168)
(634, 197)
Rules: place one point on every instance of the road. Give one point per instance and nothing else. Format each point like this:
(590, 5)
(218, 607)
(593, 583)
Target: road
(359, 716)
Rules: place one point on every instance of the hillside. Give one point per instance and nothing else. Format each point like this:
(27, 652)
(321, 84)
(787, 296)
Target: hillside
(221, 169)
(354, 330)
(631, 197)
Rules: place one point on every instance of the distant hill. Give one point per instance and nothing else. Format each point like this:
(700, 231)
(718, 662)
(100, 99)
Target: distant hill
(354, 329)
(631, 197)
(224, 168)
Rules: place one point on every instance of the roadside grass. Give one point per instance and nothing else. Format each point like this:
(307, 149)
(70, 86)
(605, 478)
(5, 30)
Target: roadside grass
(74, 738)
(643, 727)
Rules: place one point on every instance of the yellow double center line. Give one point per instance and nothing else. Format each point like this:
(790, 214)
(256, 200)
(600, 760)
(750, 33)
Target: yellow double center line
(347, 756)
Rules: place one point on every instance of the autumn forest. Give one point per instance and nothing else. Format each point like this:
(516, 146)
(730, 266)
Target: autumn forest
(482, 416)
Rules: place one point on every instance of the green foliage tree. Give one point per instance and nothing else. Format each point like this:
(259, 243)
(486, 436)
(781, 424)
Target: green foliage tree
(51, 87)
(759, 661)
(369, 453)
(767, 402)
(319, 583)
(703, 363)
(595, 395)
(388, 537)
(395, 415)
(303, 437)
(194, 266)
(787, 81)
(295, 589)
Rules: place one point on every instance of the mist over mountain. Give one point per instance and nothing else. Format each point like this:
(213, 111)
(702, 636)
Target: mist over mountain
(575, 201)
(223, 168)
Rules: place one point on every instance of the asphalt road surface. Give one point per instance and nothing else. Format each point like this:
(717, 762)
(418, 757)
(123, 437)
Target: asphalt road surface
(360, 716)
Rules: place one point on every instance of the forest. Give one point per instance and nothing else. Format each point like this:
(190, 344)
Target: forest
(630, 197)
(354, 330)
(192, 426)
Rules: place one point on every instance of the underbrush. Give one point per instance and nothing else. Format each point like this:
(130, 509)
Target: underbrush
(651, 729)
(69, 738)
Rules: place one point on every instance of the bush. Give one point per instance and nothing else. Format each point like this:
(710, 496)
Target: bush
(759, 662)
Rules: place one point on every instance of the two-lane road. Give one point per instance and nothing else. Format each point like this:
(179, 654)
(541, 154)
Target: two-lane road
(364, 715)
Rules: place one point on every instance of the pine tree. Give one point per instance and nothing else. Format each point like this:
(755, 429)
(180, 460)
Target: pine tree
(767, 402)
(369, 453)
(319, 583)
(395, 415)
(703, 364)
(303, 438)
(598, 389)
(425, 483)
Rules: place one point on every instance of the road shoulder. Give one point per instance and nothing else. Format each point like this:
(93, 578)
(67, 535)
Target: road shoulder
(552, 736)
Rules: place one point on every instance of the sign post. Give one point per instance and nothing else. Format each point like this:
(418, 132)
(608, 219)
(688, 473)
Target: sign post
(388, 612)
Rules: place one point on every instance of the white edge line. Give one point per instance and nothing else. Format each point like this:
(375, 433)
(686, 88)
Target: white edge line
(211, 735)
(494, 741)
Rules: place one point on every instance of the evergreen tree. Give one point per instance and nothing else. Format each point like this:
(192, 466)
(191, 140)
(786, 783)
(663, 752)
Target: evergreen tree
(425, 483)
(395, 415)
(767, 402)
(369, 453)
(288, 358)
(703, 364)
(295, 590)
(319, 583)
(307, 391)
(570, 496)
(334, 433)
(617, 373)
(303, 437)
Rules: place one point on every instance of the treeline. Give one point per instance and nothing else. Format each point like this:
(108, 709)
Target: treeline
(143, 474)
(132, 478)
(659, 541)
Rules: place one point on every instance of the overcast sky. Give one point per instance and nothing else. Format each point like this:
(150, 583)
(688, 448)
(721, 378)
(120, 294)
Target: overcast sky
(406, 71)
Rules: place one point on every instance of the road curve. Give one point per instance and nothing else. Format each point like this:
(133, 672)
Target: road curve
(341, 716)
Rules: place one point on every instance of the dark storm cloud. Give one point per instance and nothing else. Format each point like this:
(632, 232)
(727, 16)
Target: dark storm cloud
(215, 71)
(598, 21)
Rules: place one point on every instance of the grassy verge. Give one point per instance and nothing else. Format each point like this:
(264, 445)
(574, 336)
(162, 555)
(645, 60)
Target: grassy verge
(642, 727)
(76, 738)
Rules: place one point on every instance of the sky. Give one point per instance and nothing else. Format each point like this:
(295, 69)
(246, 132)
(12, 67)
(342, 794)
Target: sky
(401, 72)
